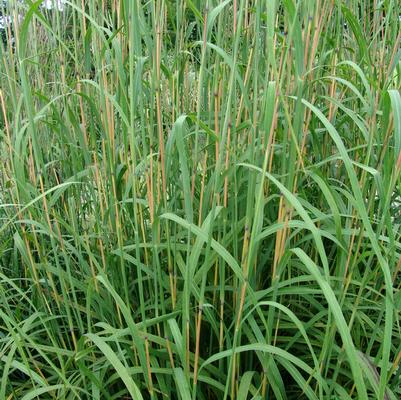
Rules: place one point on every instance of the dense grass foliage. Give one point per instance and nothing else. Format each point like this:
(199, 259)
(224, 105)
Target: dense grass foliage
(200, 199)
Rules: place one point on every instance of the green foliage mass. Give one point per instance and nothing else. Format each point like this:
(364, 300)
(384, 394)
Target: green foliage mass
(200, 200)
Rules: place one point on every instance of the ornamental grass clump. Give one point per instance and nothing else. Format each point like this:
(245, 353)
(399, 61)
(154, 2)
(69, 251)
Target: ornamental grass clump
(200, 199)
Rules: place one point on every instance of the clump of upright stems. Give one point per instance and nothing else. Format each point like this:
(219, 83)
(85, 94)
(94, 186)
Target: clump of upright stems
(200, 199)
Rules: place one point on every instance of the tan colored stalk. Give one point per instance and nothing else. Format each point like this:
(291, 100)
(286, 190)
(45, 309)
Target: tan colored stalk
(216, 121)
(83, 18)
(150, 388)
(247, 74)
(226, 165)
(158, 103)
(31, 164)
(170, 353)
(393, 54)
(197, 341)
(279, 237)
(149, 184)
